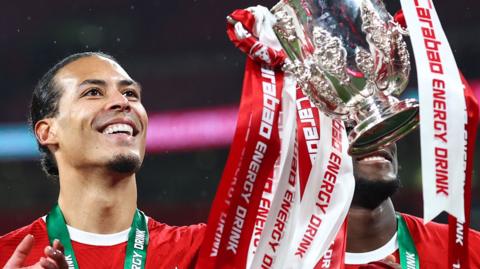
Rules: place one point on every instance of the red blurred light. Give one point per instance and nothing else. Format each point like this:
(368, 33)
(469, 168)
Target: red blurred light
(192, 129)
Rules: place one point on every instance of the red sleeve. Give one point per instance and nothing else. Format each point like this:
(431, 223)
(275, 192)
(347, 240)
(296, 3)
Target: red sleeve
(9, 242)
(172, 246)
(193, 238)
(474, 248)
(431, 241)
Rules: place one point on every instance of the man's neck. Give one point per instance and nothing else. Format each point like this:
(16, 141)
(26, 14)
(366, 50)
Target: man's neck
(98, 202)
(370, 229)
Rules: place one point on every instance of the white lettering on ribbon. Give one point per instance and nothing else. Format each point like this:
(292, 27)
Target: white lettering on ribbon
(270, 102)
(139, 244)
(411, 261)
(218, 235)
(312, 137)
(459, 233)
(70, 263)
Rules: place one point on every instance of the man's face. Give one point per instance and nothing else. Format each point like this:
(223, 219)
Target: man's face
(375, 177)
(380, 165)
(101, 120)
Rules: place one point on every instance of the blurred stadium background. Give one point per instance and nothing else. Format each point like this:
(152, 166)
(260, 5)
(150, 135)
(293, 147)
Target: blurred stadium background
(192, 78)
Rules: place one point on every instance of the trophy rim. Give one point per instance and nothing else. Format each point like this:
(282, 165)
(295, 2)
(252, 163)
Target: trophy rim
(362, 129)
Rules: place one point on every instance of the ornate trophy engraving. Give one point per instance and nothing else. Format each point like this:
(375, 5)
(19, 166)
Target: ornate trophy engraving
(350, 59)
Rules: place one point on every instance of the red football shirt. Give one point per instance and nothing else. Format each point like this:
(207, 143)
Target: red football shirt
(169, 247)
(431, 241)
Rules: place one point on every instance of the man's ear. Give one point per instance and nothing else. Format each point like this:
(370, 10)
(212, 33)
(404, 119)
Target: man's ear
(45, 132)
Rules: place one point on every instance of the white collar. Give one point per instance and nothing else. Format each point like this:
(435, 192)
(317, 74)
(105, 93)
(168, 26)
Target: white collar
(375, 255)
(97, 239)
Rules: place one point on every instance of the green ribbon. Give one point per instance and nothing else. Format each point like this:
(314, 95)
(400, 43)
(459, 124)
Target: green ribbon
(137, 243)
(408, 253)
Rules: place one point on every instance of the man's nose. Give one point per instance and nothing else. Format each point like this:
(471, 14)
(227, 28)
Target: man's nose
(117, 101)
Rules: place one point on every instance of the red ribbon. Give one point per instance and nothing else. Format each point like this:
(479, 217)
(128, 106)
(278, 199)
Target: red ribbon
(231, 257)
(239, 192)
(210, 247)
(458, 256)
(308, 136)
(232, 217)
(233, 212)
(250, 45)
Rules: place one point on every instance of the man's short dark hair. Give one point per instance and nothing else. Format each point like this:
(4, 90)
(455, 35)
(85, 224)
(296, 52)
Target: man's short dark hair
(44, 104)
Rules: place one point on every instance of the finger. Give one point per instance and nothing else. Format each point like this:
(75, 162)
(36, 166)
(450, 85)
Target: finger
(391, 258)
(62, 262)
(56, 256)
(21, 252)
(384, 264)
(47, 264)
(58, 245)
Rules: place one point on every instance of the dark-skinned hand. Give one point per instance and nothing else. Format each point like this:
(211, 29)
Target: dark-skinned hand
(388, 263)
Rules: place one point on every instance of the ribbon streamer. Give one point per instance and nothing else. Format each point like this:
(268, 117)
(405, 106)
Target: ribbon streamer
(260, 232)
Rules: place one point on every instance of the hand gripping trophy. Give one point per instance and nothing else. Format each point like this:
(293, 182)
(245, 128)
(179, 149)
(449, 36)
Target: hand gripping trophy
(350, 59)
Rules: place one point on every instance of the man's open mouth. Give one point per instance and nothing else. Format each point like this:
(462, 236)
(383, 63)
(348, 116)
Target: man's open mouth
(119, 126)
(377, 156)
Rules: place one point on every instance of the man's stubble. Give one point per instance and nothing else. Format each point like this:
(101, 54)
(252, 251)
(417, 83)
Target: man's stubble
(125, 164)
(371, 193)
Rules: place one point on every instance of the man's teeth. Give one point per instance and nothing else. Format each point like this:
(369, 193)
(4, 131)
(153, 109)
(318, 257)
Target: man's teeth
(374, 158)
(119, 127)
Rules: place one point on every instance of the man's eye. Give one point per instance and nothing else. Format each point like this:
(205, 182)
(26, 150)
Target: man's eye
(131, 94)
(93, 92)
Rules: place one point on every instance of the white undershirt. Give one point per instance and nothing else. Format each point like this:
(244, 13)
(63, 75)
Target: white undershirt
(97, 239)
(113, 239)
(375, 255)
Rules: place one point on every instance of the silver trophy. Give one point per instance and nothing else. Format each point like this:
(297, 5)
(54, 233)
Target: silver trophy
(350, 59)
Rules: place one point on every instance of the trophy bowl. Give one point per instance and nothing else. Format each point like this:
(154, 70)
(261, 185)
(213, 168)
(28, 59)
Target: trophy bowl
(349, 57)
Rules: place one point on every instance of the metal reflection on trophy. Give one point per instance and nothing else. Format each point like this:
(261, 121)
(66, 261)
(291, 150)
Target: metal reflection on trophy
(350, 58)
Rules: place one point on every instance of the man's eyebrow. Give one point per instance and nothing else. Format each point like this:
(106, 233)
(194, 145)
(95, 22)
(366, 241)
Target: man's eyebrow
(123, 82)
(93, 81)
(129, 82)
(126, 82)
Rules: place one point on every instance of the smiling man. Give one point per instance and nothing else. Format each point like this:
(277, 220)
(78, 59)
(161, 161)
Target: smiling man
(375, 231)
(91, 126)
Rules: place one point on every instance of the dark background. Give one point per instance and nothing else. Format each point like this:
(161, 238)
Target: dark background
(178, 50)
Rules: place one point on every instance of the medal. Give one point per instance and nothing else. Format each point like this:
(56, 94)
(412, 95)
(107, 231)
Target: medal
(136, 254)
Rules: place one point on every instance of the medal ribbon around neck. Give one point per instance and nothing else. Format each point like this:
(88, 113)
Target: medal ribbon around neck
(137, 243)
(408, 253)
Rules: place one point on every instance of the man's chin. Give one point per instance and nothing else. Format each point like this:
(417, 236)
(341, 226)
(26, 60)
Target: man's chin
(371, 193)
(125, 163)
